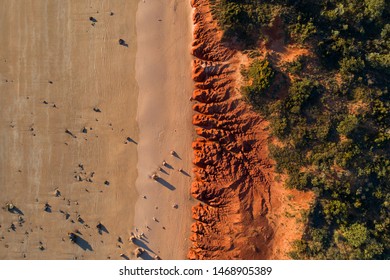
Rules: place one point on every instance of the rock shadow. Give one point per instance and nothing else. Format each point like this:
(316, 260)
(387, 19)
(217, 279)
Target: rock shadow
(129, 139)
(123, 43)
(141, 243)
(143, 239)
(16, 210)
(83, 244)
(101, 228)
(163, 171)
(166, 184)
(176, 155)
(185, 173)
(167, 165)
(146, 256)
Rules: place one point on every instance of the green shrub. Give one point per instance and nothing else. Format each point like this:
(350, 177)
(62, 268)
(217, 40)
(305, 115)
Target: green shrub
(259, 76)
(347, 125)
(301, 32)
(296, 66)
(356, 235)
(301, 91)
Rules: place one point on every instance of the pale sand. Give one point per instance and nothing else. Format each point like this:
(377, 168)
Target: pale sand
(54, 40)
(164, 33)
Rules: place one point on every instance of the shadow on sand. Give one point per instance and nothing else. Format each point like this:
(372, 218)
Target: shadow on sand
(167, 165)
(129, 139)
(83, 243)
(123, 43)
(163, 171)
(101, 228)
(146, 256)
(16, 210)
(141, 243)
(185, 173)
(176, 155)
(165, 184)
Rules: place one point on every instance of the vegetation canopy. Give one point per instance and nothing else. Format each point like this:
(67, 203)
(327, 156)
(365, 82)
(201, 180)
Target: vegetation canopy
(333, 119)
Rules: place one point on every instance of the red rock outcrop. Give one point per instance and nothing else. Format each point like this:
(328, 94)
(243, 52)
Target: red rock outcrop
(232, 171)
(237, 217)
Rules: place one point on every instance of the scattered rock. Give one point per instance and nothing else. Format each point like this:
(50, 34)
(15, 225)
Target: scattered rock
(72, 237)
(57, 193)
(79, 219)
(132, 238)
(123, 43)
(70, 133)
(138, 252)
(9, 206)
(99, 226)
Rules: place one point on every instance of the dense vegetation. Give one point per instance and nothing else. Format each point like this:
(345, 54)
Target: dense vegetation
(333, 119)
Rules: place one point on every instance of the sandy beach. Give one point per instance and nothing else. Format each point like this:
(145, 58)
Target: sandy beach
(164, 118)
(68, 123)
(94, 97)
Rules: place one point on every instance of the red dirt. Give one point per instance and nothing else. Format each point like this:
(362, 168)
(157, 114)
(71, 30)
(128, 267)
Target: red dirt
(242, 213)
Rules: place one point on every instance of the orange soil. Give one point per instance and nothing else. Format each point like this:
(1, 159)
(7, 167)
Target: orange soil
(244, 213)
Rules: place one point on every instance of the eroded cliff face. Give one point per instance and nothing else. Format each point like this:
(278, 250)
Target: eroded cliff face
(237, 218)
(232, 170)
